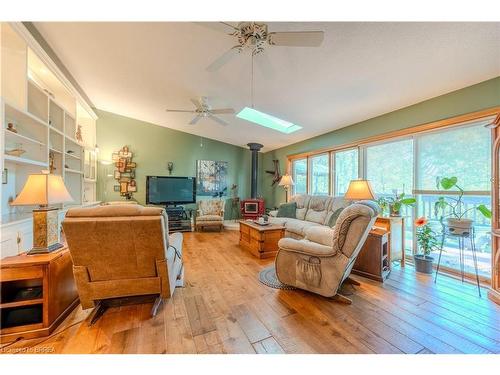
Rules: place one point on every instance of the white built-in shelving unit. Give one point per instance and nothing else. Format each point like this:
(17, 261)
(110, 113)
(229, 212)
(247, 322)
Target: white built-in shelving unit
(46, 112)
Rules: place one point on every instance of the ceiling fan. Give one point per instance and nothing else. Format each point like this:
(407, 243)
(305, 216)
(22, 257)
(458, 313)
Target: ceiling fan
(256, 37)
(203, 109)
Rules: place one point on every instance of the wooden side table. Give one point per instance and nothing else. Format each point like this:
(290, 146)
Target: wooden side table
(260, 240)
(374, 261)
(395, 226)
(37, 293)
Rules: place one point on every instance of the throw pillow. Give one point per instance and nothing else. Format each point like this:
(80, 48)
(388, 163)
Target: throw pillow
(287, 210)
(333, 219)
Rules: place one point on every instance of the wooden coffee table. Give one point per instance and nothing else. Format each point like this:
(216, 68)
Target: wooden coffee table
(260, 240)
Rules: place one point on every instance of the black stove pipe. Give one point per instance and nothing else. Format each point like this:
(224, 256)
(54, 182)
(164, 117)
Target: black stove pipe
(255, 148)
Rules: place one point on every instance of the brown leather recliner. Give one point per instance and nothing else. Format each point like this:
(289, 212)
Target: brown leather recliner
(123, 251)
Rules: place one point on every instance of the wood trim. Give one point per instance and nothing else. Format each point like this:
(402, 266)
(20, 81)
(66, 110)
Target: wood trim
(449, 192)
(440, 124)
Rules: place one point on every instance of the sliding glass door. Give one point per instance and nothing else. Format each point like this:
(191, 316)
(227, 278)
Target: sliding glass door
(320, 174)
(464, 153)
(345, 167)
(299, 176)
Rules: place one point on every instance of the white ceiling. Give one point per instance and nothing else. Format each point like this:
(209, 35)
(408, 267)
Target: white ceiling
(362, 70)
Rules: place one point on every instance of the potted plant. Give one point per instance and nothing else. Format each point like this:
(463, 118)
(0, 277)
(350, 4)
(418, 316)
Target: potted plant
(426, 241)
(395, 203)
(456, 221)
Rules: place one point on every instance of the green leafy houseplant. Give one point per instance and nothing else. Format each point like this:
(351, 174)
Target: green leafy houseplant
(395, 203)
(427, 242)
(456, 220)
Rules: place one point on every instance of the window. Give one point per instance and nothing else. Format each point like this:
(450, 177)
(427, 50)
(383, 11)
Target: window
(345, 168)
(463, 153)
(389, 167)
(320, 174)
(299, 176)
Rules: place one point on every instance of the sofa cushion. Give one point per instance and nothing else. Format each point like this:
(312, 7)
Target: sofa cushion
(287, 210)
(299, 226)
(335, 204)
(278, 220)
(302, 201)
(317, 209)
(320, 234)
(333, 216)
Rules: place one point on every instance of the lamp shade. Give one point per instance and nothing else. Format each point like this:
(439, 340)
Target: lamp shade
(43, 189)
(286, 180)
(359, 189)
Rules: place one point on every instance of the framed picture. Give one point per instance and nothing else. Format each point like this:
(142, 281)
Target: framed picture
(210, 177)
(5, 176)
(117, 175)
(115, 157)
(132, 188)
(123, 187)
(116, 188)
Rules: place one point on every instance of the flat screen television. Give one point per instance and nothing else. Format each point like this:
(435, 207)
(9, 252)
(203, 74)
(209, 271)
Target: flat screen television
(170, 190)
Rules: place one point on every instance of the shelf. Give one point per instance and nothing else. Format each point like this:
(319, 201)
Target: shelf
(73, 156)
(56, 151)
(72, 140)
(8, 133)
(90, 180)
(73, 171)
(20, 160)
(12, 112)
(26, 302)
(55, 130)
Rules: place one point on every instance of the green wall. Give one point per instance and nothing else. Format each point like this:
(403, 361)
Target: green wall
(153, 146)
(470, 99)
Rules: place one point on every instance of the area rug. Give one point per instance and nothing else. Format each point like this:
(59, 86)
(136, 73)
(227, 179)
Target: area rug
(268, 277)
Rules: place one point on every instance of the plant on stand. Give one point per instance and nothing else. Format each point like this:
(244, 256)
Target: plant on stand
(395, 203)
(456, 221)
(427, 242)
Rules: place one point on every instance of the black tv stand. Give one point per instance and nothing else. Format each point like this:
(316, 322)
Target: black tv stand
(178, 219)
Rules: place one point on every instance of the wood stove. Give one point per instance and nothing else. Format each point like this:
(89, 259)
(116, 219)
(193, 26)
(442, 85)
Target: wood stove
(253, 207)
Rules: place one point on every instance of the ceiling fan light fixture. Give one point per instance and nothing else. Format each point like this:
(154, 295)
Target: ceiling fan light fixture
(267, 120)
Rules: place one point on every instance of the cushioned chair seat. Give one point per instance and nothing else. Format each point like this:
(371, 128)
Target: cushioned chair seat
(209, 218)
(299, 226)
(305, 247)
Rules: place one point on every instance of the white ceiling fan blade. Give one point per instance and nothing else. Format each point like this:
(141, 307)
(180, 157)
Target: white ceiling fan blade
(222, 111)
(222, 27)
(180, 110)
(195, 120)
(196, 102)
(218, 120)
(297, 38)
(264, 64)
(222, 60)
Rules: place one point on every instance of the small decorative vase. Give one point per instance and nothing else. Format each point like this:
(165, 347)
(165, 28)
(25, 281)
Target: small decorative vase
(423, 263)
(393, 211)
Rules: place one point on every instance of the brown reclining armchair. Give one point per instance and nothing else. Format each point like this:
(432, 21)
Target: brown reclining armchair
(323, 260)
(122, 251)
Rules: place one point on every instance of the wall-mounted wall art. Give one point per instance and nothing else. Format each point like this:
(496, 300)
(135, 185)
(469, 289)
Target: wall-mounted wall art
(210, 177)
(124, 173)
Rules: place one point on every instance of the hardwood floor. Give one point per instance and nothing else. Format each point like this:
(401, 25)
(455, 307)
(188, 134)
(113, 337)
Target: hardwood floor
(223, 308)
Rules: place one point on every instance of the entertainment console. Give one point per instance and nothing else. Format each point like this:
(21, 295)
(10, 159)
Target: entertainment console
(178, 219)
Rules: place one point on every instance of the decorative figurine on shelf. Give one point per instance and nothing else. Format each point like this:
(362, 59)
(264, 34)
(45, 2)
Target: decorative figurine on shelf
(125, 172)
(170, 167)
(11, 127)
(52, 167)
(78, 134)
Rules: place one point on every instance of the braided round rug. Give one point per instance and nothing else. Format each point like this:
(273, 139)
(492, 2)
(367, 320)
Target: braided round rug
(268, 277)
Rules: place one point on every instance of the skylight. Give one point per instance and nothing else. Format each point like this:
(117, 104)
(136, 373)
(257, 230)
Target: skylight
(264, 119)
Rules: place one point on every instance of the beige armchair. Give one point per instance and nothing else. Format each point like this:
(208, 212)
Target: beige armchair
(323, 260)
(122, 251)
(210, 213)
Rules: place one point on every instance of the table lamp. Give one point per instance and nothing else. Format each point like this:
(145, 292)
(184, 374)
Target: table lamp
(359, 190)
(286, 181)
(44, 189)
